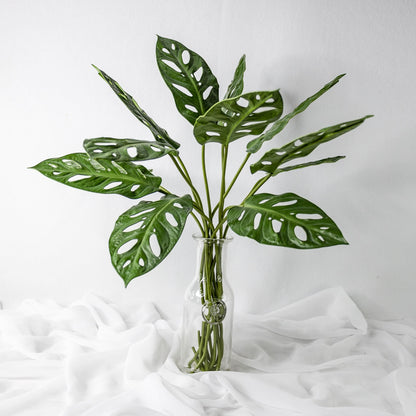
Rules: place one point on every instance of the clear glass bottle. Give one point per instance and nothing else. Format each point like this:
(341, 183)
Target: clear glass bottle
(206, 333)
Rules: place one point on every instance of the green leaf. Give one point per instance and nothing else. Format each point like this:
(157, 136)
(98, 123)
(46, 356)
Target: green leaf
(123, 150)
(188, 76)
(305, 165)
(104, 176)
(159, 134)
(237, 84)
(254, 145)
(303, 146)
(239, 116)
(284, 220)
(145, 234)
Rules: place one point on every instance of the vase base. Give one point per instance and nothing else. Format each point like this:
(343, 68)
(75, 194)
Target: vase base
(193, 370)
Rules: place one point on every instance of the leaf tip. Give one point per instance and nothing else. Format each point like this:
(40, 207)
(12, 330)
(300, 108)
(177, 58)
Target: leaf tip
(161, 39)
(101, 73)
(343, 241)
(337, 78)
(126, 279)
(35, 167)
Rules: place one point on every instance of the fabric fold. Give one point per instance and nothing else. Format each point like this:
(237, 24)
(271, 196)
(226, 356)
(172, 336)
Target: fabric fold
(317, 356)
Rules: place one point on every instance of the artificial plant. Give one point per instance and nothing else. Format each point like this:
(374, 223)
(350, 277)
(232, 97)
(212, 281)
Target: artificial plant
(145, 234)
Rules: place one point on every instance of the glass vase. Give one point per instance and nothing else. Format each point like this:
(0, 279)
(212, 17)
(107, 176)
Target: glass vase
(206, 333)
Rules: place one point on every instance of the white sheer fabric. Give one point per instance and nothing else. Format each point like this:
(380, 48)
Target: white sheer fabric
(316, 357)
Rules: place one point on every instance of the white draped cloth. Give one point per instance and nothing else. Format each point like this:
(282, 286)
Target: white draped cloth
(316, 357)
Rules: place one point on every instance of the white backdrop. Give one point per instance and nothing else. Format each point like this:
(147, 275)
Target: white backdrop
(54, 238)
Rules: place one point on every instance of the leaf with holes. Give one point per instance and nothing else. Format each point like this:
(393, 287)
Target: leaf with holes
(237, 84)
(305, 165)
(125, 149)
(146, 233)
(188, 76)
(254, 145)
(231, 119)
(104, 176)
(159, 134)
(302, 147)
(284, 220)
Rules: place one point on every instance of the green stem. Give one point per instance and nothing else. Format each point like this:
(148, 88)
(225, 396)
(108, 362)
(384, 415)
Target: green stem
(204, 171)
(198, 206)
(205, 333)
(237, 174)
(197, 197)
(198, 222)
(226, 230)
(185, 175)
(258, 185)
(164, 190)
(215, 349)
(167, 192)
(233, 180)
(220, 345)
(202, 214)
(221, 223)
(209, 350)
(224, 157)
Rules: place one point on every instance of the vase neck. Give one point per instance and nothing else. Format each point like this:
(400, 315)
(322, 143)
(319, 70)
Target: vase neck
(211, 254)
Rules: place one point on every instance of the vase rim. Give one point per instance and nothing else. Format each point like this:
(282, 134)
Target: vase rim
(199, 237)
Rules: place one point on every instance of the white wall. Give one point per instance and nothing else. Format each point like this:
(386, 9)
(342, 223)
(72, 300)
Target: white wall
(54, 238)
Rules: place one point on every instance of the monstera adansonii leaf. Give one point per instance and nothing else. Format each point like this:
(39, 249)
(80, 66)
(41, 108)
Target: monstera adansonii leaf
(284, 220)
(237, 84)
(125, 149)
(188, 76)
(160, 135)
(145, 234)
(254, 145)
(104, 176)
(302, 147)
(307, 164)
(233, 118)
